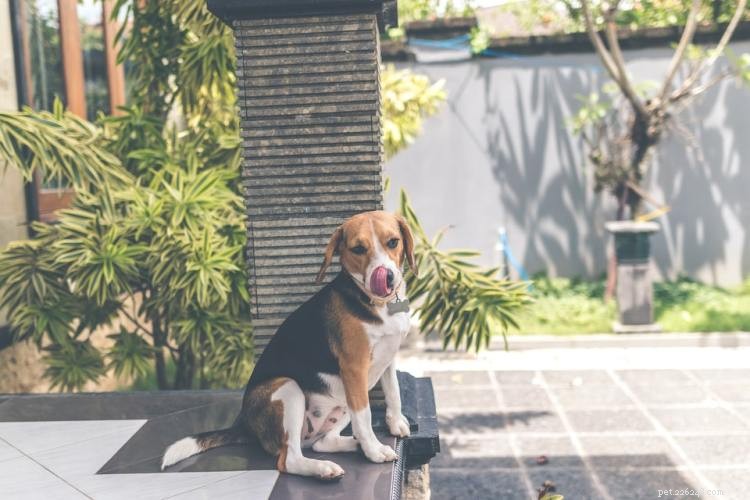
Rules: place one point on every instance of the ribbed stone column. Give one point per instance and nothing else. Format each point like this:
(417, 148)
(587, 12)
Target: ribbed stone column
(309, 100)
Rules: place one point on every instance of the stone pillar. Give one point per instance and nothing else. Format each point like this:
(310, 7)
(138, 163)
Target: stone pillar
(309, 98)
(634, 282)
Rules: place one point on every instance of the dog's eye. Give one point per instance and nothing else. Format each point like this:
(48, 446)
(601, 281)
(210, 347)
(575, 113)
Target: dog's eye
(359, 250)
(392, 243)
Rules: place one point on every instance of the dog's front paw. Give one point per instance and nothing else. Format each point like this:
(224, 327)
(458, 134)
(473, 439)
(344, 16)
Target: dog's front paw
(328, 470)
(397, 424)
(380, 453)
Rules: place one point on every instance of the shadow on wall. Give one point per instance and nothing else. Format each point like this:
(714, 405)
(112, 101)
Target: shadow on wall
(545, 190)
(702, 173)
(501, 154)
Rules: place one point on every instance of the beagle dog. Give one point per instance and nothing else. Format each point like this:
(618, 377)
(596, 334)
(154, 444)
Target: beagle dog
(314, 376)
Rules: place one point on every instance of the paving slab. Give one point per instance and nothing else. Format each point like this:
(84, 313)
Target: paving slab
(528, 397)
(646, 484)
(621, 423)
(461, 484)
(608, 421)
(574, 483)
(617, 451)
(699, 420)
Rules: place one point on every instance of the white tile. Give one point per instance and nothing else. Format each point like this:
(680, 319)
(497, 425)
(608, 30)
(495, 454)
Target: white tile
(7, 451)
(23, 479)
(35, 437)
(84, 458)
(256, 485)
(77, 463)
(74, 451)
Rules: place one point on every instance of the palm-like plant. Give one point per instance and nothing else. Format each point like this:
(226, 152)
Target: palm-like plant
(462, 302)
(151, 248)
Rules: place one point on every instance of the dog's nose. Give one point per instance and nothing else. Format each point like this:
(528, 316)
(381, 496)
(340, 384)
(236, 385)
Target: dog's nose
(390, 278)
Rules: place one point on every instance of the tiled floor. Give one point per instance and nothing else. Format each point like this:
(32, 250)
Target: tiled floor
(49, 450)
(607, 432)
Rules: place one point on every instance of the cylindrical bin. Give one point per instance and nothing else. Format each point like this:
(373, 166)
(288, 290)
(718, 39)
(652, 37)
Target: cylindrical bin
(634, 281)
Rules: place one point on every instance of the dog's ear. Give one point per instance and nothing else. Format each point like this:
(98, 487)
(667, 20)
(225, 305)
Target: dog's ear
(331, 249)
(408, 239)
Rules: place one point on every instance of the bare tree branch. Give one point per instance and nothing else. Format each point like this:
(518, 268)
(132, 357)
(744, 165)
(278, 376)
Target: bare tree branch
(679, 54)
(619, 62)
(685, 96)
(601, 50)
(717, 51)
(613, 62)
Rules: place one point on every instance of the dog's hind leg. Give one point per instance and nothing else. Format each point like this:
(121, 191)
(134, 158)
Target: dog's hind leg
(333, 441)
(290, 458)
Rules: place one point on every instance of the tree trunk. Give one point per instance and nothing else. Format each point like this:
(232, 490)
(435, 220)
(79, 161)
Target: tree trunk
(161, 365)
(622, 201)
(185, 369)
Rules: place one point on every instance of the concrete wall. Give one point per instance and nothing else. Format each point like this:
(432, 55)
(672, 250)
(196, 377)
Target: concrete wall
(501, 154)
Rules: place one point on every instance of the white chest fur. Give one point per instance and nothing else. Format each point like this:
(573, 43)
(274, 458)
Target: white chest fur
(385, 339)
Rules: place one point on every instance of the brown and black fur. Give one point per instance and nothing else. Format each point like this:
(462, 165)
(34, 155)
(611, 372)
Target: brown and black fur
(325, 335)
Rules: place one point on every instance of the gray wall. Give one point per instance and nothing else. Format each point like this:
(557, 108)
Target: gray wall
(500, 153)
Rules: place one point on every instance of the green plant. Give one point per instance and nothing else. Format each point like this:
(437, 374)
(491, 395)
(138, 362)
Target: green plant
(407, 99)
(152, 248)
(479, 40)
(567, 15)
(455, 298)
(419, 10)
(575, 306)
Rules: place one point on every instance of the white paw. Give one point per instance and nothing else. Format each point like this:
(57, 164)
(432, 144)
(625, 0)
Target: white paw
(397, 424)
(329, 470)
(380, 453)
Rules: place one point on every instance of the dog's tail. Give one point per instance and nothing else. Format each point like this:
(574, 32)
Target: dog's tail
(192, 445)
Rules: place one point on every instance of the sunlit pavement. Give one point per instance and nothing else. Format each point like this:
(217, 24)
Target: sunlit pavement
(601, 417)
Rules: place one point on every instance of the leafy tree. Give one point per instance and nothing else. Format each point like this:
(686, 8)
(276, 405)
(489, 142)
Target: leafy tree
(151, 248)
(567, 15)
(622, 130)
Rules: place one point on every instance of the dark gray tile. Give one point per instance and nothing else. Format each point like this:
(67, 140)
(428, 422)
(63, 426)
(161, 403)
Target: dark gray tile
(716, 450)
(646, 484)
(143, 452)
(589, 396)
(559, 451)
(450, 399)
(608, 420)
(724, 375)
(654, 377)
(363, 479)
(521, 377)
(670, 394)
(527, 397)
(577, 377)
(457, 379)
(698, 420)
(462, 484)
(110, 406)
(571, 483)
(534, 421)
(629, 451)
(455, 422)
(735, 392)
(475, 453)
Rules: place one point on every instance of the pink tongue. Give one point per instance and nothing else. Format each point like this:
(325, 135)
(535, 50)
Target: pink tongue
(379, 281)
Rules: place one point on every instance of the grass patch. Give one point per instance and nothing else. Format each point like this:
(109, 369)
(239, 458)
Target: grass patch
(571, 306)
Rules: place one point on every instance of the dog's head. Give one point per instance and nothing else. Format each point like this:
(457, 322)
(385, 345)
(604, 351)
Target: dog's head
(372, 247)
